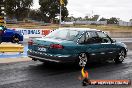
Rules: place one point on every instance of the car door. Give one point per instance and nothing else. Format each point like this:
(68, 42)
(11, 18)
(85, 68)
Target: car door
(109, 48)
(93, 46)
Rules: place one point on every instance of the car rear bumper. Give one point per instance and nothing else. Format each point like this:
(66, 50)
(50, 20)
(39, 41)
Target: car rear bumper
(52, 58)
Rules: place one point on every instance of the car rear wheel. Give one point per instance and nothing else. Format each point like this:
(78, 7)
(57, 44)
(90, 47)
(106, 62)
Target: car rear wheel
(120, 58)
(15, 39)
(83, 59)
(34, 59)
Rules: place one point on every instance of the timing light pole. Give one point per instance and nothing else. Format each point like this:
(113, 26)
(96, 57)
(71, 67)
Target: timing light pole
(2, 13)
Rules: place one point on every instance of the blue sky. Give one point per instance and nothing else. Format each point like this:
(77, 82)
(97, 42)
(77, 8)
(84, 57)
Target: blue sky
(105, 8)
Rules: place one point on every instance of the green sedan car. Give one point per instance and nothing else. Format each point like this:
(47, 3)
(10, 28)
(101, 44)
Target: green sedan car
(79, 45)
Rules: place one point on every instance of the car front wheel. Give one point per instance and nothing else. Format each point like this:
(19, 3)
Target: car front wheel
(120, 58)
(15, 39)
(83, 59)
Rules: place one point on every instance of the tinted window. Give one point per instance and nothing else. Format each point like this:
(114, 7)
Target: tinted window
(92, 34)
(101, 34)
(104, 38)
(91, 37)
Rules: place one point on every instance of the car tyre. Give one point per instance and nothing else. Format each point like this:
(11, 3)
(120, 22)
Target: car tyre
(15, 39)
(82, 59)
(34, 59)
(120, 57)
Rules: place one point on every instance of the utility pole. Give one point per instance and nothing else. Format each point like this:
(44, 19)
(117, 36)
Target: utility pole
(61, 4)
(60, 16)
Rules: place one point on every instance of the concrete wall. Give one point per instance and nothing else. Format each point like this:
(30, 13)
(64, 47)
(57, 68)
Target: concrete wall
(91, 22)
(123, 23)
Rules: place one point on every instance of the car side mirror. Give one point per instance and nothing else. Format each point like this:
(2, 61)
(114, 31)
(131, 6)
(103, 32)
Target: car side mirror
(114, 40)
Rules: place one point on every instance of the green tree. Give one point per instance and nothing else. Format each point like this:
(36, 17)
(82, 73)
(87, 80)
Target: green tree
(18, 8)
(35, 15)
(50, 9)
(79, 19)
(86, 18)
(112, 20)
(71, 18)
(103, 19)
(130, 19)
(95, 18)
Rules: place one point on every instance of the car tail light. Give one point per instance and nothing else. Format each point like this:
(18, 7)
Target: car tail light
(30, 42)
(56, 46)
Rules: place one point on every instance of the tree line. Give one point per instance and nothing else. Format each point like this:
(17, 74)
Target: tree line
(48, 11)
(112, 20)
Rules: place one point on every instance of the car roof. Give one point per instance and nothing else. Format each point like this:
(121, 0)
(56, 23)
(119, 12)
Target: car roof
(80, 29)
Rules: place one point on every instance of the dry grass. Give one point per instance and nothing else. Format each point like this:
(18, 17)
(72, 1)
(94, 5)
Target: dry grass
(107, 27)
(55, 26)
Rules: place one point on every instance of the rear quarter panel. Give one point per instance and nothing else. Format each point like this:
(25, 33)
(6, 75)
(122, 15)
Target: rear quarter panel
(72, 48)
